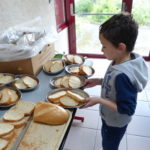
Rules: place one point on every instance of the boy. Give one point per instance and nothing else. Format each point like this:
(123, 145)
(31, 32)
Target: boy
(125, 77)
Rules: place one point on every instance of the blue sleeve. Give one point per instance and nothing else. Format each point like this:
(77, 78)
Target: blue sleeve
(126, 95)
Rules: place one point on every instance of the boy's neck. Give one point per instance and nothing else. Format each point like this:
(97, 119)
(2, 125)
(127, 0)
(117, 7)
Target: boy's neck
(122, 59)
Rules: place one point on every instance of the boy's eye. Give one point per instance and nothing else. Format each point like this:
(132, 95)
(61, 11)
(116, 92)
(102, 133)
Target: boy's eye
(103, 47)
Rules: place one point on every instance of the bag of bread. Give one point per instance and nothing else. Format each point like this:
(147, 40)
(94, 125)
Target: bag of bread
(50, 114)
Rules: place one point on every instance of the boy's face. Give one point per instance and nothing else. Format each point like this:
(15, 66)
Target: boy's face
(109, 50)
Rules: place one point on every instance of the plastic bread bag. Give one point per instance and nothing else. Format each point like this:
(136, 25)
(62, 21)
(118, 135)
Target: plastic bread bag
(25, 40)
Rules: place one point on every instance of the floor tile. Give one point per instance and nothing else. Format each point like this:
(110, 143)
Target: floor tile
(143, 108)
(80, 139)
(138, 143)
(91, 118)
(139, 126)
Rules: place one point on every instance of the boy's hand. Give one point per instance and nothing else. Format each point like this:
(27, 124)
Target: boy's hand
(91, 101)
(92, 82)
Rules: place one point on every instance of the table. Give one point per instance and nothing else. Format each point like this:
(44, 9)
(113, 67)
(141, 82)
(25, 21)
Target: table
(39, 94)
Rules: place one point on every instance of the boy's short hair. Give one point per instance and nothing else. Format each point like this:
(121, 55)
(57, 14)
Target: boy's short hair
(120, 28)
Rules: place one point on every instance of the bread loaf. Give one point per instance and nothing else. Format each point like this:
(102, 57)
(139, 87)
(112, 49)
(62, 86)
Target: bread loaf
(50, 114)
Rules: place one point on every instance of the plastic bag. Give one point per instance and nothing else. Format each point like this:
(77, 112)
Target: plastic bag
(25, 40)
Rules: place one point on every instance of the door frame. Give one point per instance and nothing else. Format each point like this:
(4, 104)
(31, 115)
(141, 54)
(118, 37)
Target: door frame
(70, 19)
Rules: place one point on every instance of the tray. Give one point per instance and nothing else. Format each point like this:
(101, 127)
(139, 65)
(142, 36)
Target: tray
(78, 91)
(52, 81)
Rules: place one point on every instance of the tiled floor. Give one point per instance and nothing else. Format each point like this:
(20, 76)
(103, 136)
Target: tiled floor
(87, 136)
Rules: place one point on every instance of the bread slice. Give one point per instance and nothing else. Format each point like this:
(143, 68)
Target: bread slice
(56, 66)
(5, 97)
(19, 84)
(65, 82)
(13, 115)
(74, 70)
(76, 97)
(29, 82)
(70, 58)
(78, 59)
(20, 123)
(57, 82)
(68, 101)
(3, 144)
(25, 107)
(49, 113)
(74, 82)
(5, 128)
(47, 65)
(57, 95)
(85, 70)
(6, 79)
(13, 96)
(8, 136)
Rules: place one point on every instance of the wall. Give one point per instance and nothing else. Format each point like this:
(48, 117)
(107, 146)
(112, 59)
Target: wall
(15, 12)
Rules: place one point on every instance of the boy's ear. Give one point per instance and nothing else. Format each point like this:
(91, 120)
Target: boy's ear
(122, 47)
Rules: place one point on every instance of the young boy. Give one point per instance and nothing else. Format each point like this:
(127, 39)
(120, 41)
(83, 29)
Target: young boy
(125, 77)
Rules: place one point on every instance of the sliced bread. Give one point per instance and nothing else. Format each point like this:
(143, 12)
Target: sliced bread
(85, 70)
(57, 82)
(65, 82)
(6, 79)
(20, 84)
(5, 96)
(74, 70)
(3, 144)
(76, 97)
(70, 58)
(47, 65)
(56, 66)
(68, 101)
(57, 95)
(5, 128)
(29, 82)
(78, 59)
(74, 82)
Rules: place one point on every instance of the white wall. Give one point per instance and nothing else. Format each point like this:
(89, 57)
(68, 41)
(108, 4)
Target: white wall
(15, 12)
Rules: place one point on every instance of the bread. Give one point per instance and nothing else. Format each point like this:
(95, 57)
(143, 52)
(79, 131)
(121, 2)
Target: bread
(29, 82)
(68, 101)
(76, 97)
(78, 59)
(20, 84)
(5, 97)
(56, 66)
(4, 79)
(75, 70)
(8, 136)
(56, 95)
(47, 66)
(74, 82)
(57, 82)
(25, 107)
(65, 82)
(13, 96)
(13, 115)
(70, 58)
(3, 144)
(20, 123)
(50, 114)
(5, 128)
(85, 70)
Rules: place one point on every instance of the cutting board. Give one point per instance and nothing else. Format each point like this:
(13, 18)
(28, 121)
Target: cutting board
(43, 137)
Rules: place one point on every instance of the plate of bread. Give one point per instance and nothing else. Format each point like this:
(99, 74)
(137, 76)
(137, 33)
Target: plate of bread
(82, 70)
(54, 66)
(73, 59)
(68, 98)
(6, 78)
(9, 96)
(68, 81)
(25, 82)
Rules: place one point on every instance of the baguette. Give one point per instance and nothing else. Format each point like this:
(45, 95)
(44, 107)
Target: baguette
(5, 128)
(49, 113)
(76, 97)
(68, 101)
(78, 59)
